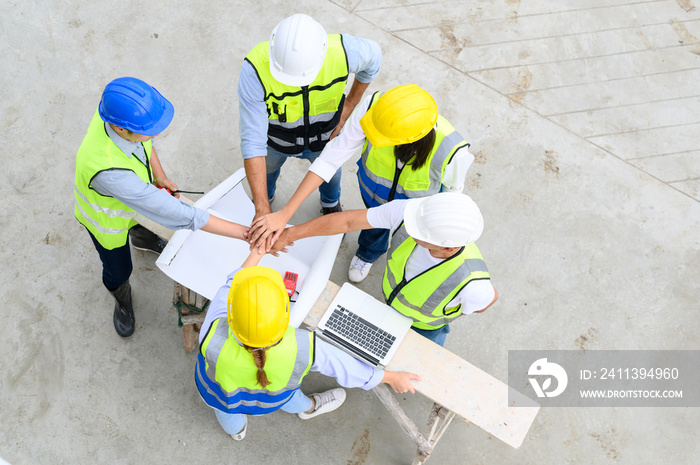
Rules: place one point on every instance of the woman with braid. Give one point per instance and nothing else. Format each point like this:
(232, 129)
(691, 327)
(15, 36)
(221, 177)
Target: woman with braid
(251, 362)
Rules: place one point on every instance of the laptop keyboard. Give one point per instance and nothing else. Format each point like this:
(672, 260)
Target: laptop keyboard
(360, 331)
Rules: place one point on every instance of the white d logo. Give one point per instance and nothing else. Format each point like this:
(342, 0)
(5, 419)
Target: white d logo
(543, 368)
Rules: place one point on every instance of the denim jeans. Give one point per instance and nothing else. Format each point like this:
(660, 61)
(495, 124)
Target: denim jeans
(438, 336)
(116, 263)
(233, 423)
(372, 244)
(330, 191)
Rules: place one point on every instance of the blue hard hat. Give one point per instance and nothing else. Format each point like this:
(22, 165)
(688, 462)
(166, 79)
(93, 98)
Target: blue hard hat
(132, 104)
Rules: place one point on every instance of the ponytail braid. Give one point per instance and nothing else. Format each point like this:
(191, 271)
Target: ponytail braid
(260, 355)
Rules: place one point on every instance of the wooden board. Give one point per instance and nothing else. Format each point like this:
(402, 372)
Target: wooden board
(452, 382)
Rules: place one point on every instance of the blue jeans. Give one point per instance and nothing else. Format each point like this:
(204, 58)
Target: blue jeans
(233, 423)
(372, 243)
(116, 263)
(438, 336)
(330, 191)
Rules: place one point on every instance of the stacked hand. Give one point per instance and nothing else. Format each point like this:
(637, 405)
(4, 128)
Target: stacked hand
(264, 232)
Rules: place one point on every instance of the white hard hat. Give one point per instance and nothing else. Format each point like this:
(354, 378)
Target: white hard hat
(448, 219)
(297, 49)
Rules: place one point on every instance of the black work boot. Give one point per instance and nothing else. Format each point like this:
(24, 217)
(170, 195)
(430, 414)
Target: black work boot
(143, 239)
(124, 321)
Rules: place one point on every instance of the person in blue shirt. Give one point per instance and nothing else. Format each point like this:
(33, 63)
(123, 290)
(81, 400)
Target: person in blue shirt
(292, 102)
(118, 173)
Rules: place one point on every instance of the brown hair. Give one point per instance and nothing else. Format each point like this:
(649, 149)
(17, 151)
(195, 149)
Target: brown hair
(260, 355)
(416, 153)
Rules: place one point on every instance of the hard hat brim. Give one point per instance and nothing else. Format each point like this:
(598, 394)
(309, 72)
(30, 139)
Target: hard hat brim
(163, 122)
(410, 219)
(295, 81)
(376, 138)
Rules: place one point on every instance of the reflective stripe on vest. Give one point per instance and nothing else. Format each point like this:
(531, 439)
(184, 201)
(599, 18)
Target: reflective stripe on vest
(107, 218)
(226, 373)
(381, 180)
(300, 117)
(425, 297)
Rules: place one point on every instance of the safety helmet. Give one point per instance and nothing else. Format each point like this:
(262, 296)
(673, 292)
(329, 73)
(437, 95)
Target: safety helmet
(132, 104)
(297, 49)
(258, 306)
(402, 115)
(448, 219)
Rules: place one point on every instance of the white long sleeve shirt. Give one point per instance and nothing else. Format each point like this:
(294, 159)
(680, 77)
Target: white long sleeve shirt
(350, 141)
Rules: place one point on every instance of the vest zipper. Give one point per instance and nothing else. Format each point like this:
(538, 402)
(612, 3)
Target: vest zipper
(397, 174)
(396, 290)
(403, 282)
(307, 110)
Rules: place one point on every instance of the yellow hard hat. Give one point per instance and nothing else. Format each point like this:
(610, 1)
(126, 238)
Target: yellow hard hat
(402, 115)
(258, 306)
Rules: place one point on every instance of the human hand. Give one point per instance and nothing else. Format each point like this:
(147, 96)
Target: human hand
(168, 184)
(400, 381)
(267, 228)
(280, 245)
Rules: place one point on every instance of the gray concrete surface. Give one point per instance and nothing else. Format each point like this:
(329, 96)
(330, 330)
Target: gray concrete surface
(584, 120)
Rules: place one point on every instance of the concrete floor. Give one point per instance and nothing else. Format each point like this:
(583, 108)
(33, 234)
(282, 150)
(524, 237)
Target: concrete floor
(584, 119)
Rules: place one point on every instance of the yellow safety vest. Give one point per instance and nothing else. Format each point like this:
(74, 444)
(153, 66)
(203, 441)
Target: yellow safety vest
(226, 374)
(381, 180)
(107, 218)
(301, 117)
(426, 296)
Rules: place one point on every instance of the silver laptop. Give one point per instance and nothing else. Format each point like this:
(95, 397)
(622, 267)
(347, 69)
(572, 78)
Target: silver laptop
(364, 327)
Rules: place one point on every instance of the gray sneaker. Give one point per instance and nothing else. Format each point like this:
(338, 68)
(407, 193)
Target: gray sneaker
(325, 402)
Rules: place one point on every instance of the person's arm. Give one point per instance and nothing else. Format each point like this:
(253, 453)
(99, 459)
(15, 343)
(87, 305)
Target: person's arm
(336, 152)
(364, 61)
(327, 225)
(256, 173)
(159, 174)
(357, 90)
(456, 170)
(475, 297)
(252, 125)
(495, 298)
(222, 227)
(353, 373)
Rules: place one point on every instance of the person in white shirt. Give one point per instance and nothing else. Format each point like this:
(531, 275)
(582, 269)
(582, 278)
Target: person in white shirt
(408, 151)
(434, 271)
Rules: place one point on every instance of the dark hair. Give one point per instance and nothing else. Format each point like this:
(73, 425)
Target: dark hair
(416, 153)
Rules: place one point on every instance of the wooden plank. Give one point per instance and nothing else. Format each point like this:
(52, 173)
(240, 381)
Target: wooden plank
(451, 382)
(392, 405)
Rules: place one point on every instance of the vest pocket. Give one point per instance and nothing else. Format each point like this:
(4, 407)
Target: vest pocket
(326, 106)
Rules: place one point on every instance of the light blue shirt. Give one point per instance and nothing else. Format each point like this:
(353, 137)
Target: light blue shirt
(364, 60)
(328, 360)
(153, 203)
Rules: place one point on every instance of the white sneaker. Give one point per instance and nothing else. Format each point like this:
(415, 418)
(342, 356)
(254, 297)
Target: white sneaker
(358, 269)
(241, 434)
(325, 402)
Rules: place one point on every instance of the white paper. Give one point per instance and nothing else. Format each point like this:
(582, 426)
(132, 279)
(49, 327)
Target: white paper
(201, 261)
